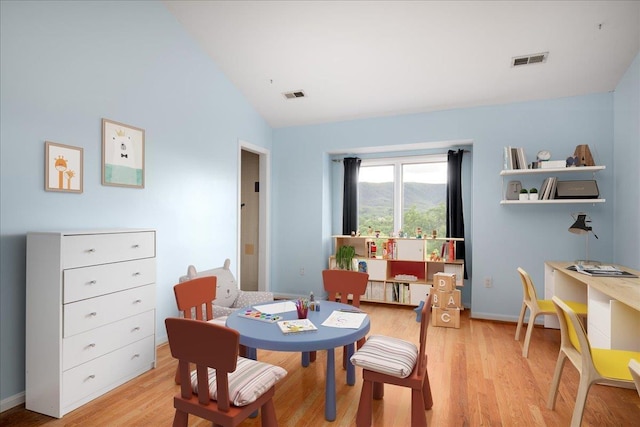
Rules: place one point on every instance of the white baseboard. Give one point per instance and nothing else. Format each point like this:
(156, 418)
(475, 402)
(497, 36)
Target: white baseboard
(12, 401)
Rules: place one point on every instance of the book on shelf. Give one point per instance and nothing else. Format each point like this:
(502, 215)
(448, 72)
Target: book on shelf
(514, 158)
(597, 270)
(549, 188)
(554, 184)
(543, 188)
(296, 325)
(508, 159)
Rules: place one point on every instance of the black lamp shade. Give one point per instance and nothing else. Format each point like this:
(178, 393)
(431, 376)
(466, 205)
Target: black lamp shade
(580, 226)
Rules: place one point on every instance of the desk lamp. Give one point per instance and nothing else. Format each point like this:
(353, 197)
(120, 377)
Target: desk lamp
(580, 227)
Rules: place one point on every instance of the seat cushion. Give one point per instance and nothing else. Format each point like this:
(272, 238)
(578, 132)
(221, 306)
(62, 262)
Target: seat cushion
(387, 355)
(248, 382)
(546, 306)
(613, 363)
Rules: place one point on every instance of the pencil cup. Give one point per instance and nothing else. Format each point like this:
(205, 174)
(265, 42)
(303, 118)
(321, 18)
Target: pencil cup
(302, 312)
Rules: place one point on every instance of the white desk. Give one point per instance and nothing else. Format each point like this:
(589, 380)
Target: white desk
(613, 302)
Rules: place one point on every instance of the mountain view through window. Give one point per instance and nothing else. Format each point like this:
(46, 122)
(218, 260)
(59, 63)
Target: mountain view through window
(400, 196)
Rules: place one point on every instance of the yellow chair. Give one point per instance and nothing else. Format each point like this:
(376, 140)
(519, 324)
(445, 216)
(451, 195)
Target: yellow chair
(634, 368)
(537, 307)
(595, 365)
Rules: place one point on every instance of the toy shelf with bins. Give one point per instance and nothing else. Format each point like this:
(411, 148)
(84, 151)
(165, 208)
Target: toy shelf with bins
(386, 281)
(548, 172)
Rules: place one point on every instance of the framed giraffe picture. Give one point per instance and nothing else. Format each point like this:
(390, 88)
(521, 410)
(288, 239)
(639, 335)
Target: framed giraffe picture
(63, 168)
(122, 155)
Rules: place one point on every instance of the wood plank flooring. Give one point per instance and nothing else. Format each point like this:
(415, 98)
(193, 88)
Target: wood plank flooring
(478, 378)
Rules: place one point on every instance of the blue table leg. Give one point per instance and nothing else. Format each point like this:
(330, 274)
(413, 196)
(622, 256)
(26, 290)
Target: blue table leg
(252, 353)
(305, 359)
(351, 370)
(330, 387)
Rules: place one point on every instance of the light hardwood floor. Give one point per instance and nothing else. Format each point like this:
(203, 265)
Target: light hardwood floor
(478, 377)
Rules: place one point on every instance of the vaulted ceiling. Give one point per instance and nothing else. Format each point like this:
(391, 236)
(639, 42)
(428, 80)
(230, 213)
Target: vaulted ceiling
(360, 59)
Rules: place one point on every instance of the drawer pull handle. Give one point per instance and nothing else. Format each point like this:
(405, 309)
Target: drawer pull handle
(138, 301)
(136, 355)
(137, 273)
(137, 328)
(93, 282)
(93, 314)
(92, 345)
(136, 246)
(92, 250)
(90, 377)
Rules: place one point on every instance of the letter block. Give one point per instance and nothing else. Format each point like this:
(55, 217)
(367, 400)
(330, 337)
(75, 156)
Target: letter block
(444, 281)
(446, 317)
(447, 299)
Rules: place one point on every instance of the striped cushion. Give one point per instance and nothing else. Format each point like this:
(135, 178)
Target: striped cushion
(248, 382)
(387, 355)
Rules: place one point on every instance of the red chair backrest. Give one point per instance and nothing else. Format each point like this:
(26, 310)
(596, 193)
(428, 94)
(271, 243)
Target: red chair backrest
(207, 345)
(197, 294)
(425, 314)
(345, 282)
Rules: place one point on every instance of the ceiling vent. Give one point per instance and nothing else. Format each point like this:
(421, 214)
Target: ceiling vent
(294, 94)
(536, 58)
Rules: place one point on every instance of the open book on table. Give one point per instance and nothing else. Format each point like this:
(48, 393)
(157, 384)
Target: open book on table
(296, 325)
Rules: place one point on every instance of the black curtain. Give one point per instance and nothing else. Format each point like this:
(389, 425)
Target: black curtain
(455, 217)
(350, 195)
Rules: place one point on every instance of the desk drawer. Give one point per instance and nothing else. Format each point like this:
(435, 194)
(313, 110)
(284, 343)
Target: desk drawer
(92, 249)
(88, 282)
(88, 314)
(89, 345)
(100, 373)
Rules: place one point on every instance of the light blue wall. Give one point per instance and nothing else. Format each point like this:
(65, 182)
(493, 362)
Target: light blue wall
(66, 65)
(502, 237)
(627, 167)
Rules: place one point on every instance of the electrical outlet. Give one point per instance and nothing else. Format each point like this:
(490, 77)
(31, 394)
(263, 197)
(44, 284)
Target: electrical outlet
(488, 282)
(302, 271)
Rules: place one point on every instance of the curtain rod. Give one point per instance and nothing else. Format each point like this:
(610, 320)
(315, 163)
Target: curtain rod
(393, 157)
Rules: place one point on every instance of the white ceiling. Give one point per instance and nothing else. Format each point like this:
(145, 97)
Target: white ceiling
(359, 59)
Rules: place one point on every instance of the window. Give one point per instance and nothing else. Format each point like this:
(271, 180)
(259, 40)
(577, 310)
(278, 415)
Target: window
(402, 194)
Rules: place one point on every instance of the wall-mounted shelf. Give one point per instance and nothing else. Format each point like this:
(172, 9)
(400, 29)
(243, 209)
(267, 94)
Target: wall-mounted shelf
(549, 172)
(551, 202)
(579, 169)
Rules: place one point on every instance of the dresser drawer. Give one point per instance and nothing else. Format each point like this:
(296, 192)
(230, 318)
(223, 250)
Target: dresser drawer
(89, 282)
(91, 313)
(97, 342)
(100, 373)
(83, 250)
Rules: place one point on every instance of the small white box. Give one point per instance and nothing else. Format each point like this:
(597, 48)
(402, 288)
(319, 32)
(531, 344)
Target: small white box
(553, 164)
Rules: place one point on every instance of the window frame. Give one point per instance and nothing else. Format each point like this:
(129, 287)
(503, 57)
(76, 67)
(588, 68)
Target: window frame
(397, 163)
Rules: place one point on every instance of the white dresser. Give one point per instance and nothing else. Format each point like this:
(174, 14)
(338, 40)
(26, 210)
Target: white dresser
(90, 323)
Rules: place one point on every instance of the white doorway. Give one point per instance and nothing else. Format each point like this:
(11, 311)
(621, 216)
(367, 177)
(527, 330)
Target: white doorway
(253, 240)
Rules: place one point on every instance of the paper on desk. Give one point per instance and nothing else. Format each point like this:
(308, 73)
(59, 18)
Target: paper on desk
(344, 319)
(276, 307)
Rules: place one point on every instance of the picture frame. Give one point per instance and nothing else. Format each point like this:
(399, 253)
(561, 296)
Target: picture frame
(122, 155)
(63, 168)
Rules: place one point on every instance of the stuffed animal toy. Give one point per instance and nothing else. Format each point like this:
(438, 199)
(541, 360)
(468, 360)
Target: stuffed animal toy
(228, 296)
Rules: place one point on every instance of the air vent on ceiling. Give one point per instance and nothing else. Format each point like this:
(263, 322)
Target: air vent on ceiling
(536, 58)
(294, 94)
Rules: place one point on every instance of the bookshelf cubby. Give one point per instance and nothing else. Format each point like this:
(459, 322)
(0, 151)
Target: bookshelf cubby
(390, 279)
